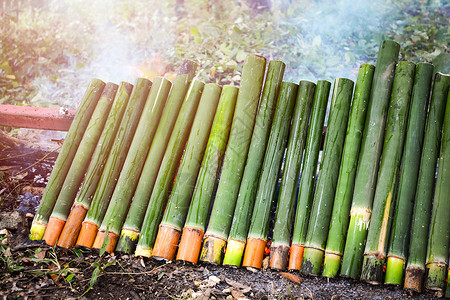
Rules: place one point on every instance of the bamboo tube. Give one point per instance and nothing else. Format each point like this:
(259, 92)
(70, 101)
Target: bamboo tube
(309, 167)
(347, 172)
(65, 157)
(194, 227)
(113, 166)
(282, 231)
(447, 290)
(175, 214)
(273, 158)
(425, 185)
(380, 223)
(132, 167)
(439, 240)
(366, 174)
(79, 165)
(167, 171)
(132, 225)
(83, 200)
(399, 240)
(234, 160)
(319, 220)
(250, 178)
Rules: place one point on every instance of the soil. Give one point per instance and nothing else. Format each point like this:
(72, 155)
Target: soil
(30, 269)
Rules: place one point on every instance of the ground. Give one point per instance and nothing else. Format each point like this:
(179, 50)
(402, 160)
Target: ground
(30, 269)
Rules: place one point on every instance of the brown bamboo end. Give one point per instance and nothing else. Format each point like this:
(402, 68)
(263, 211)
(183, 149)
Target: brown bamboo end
(166, 242)
(87, 234)
(53, 230)
(414, 278)
(279, 257)
(71, 229)
(296, 257)
(100, 238)
(254, 253)
(190, 244)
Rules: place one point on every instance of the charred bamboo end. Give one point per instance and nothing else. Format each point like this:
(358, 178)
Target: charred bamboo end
(279, 257)
(54, 228)
(87, 234)
(190, 244)
(414, 278)
(395, 269)
(312, 261)
(166, 242)
(72, 228)
(296, 257)
(127, 241)
(254, 253)
(234, 253)
(435, 277)
(372, 270)
(213, 250)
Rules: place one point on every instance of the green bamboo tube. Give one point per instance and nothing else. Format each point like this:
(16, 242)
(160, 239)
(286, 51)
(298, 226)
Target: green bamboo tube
(83, 200)
(308, 173)
(65, 157)
(113, 166)
(399, 240)
(194, 227)
(347, 172)
(439, 240)
(132, 167)
(79, 165)
(177, 206)
(249, 182)
(282, 231)
(415, 269)
(167, 170)
(132, 225)
(447, 290)
(380, 223)
(368, 163)
(322, 205)
(234, 160)
(273, 158)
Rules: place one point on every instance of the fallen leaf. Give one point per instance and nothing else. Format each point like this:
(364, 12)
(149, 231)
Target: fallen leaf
(41, 254)
(235, 284)
(291, 277)
(237, 294)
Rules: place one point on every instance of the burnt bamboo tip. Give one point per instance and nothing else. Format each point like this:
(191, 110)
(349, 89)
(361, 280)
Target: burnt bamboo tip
(87, 234)
(414, 278)
(100, 238)
(254, 253)
(166, 242)
(190, 244)
(128, 240)
(213, 250)
(296, 257)
(72, 228)
(279, 257)
(54, 228)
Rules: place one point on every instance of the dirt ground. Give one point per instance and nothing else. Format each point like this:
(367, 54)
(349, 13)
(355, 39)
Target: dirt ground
(30, 269)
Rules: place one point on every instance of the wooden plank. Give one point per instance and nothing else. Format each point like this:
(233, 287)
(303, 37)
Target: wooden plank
(35, 117)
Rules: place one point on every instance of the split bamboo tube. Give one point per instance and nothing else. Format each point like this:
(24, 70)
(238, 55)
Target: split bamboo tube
(79, 165)
(309, 168)
(415, 270)
(167, 171)
(399, 240)
(347, 172)
(234, 161)
(194, 227)
(282, 231)
(369, 157)
(250, 178)
(169, 232)
(132, 167)
(322, 205)
(273, 158)
(113, 166)
(65, 157)
(439, 239)
(83, 200)
(132, 225)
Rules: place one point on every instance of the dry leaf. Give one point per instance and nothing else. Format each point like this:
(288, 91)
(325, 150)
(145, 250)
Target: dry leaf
(235, 284)
(41, 255)
(237, 294)
(291, 277)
